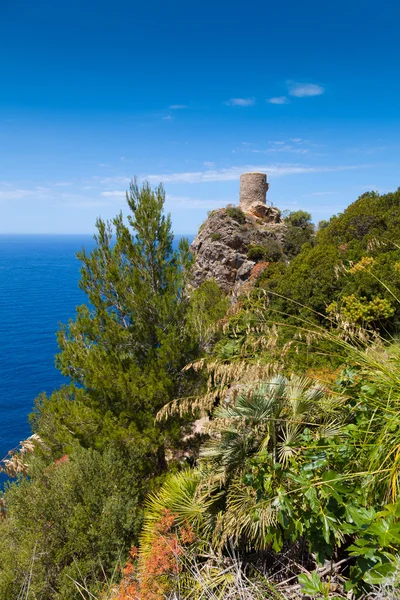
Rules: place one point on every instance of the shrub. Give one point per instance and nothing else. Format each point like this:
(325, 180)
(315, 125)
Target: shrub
(270, 250)
(215, 237)
(300, 231)
(255, 253)
(71, 520)
(236, 213)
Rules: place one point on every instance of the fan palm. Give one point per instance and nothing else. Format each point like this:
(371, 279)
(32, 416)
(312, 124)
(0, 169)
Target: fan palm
(270, 418)
(262, 422)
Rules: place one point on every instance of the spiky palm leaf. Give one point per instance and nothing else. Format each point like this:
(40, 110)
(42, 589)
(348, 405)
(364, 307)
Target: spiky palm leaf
(245, 518)
(269, 416)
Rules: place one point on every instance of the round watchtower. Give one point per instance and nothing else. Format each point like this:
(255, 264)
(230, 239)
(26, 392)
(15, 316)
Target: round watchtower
(253, 193)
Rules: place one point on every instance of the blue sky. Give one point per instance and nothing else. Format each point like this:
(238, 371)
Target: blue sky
(193, 94)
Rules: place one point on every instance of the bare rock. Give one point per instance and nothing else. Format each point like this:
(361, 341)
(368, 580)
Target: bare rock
(223, 241)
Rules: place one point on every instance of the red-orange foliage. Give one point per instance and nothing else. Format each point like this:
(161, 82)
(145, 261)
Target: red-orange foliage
(62, 460)
(150, 576)
(258, 269)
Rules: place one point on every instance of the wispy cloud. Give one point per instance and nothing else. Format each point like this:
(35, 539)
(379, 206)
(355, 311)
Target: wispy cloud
(291, 146)
(240, 102)
(116, 180)
(233, 173)
(114, 194)
(194, 203)
(63, 183)
(279, 100)
(16, 194)
(9, 191)
(295, 147)
(168, 118)
(177, 106)
(209, 164)
(86, 203)
(304, 90)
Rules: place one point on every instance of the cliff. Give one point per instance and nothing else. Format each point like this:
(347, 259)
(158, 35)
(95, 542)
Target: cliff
(233, 240)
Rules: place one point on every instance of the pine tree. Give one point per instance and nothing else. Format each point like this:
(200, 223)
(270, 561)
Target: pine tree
(127, 346)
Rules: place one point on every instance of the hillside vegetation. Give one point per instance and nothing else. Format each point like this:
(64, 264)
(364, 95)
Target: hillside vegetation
(205, 449)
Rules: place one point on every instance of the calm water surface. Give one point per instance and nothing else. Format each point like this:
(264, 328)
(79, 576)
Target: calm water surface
(38, 290)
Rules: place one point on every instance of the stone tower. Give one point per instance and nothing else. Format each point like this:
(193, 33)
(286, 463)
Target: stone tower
(253, 194)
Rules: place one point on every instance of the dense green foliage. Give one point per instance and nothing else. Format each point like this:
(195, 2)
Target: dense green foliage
(300, 232)
(312, 461)
(123, 354)
(69, 520)
(322, 273)
(300, 456)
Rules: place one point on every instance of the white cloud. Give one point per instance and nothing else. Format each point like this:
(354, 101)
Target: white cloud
(117, 180)
(63, 184)
(304, 90)
(240, 102)
(294, 146)
(115, 194)
(233, 173)
(289, 148)
(87, 203)
(186, 202)
(278, 100)
(177, 106)
(209, 164)
(16, 194)
(168, 118)
(280, 146)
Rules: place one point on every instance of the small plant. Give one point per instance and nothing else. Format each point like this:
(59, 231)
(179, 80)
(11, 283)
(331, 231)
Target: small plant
(236, 213)
(256, 253)
(155, 574)
(269, 251)
(215, 237)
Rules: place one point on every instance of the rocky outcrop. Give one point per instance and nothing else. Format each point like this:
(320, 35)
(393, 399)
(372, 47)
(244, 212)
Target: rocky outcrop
(224, 248)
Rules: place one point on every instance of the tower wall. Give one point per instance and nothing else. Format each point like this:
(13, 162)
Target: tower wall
(253, 192)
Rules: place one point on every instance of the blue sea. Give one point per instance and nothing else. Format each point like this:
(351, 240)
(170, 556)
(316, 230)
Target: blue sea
(39, 290)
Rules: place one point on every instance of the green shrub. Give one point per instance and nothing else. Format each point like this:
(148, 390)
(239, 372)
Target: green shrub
(269, 251)
(215, 237)
(69, 521)
(255, 253)
(236, 213)
(300, 231)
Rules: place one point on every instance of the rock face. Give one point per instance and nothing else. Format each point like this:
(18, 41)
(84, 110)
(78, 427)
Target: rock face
(222, 244)
(232, 240)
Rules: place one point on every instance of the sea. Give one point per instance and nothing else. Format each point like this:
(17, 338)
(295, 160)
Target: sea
(39, 290)
(39, 276)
